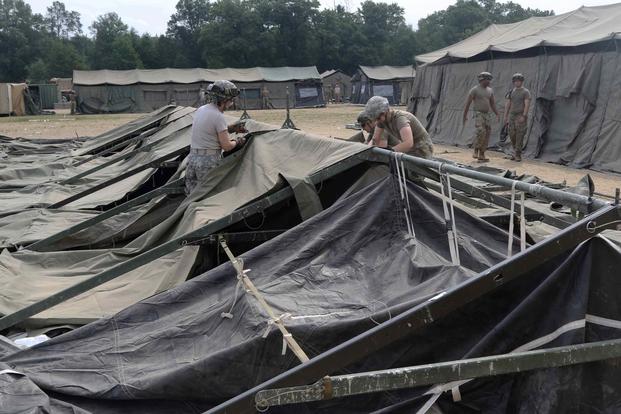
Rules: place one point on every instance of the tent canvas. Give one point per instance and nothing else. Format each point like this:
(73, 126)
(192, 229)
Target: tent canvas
(12, 99)
(574, 82)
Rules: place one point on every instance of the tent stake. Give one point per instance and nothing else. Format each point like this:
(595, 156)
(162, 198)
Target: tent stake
(288, 124)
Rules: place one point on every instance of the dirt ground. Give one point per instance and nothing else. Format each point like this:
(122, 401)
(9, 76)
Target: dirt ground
(329, 122)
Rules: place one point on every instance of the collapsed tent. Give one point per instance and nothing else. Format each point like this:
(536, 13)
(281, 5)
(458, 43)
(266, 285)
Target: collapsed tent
(29, 276)
(392, 82)
(570, 63)
(142, 90)
(337, 274)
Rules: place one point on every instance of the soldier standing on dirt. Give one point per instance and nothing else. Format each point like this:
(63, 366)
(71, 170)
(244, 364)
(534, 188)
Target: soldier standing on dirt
(516, 114)
(337, 92)
(210, 134)
(398, 130)
(265, 95)
(483, 97)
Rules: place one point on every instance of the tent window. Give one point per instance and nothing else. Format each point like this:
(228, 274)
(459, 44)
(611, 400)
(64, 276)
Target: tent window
(383, 90)
(155, 96)
(254, 93)
(308, 92)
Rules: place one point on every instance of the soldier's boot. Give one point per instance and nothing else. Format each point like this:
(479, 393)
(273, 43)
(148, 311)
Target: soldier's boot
(482, 157)
(475, 155)
(518, 156)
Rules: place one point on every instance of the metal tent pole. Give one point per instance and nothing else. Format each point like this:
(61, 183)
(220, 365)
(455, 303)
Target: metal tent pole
(584, 204)
(439, 373)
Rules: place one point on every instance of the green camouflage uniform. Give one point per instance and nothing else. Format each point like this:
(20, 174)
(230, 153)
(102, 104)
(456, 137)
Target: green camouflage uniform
(517, 129)
(198, 168)
(482, 117)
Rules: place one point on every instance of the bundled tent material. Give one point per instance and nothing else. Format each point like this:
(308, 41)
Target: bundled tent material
(332, 288)
(392, 82)
(143, 90)
(570, 63)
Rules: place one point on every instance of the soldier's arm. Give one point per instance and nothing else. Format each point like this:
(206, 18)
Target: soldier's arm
(492, 102)
(225, 140)
(407, 140)
(507, 109)
(467, 108)
(526, 106)
(378, 139)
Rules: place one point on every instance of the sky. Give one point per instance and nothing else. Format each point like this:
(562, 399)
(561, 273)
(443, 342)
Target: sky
(151, 16)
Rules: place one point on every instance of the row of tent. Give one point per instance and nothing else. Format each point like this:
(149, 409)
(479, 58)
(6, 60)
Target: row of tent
(111, 91)
(168, 329)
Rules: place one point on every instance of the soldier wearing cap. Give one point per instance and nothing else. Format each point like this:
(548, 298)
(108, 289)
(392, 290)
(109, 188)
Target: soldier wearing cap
(398, 130)
(482, 98)
(516, 114)
(210, 133)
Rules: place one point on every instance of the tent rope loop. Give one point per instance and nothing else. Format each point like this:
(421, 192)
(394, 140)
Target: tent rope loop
(522, 221)
(449, 215)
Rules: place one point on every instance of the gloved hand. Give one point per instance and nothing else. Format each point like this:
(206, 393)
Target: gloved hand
(238, 127)
(241, 141)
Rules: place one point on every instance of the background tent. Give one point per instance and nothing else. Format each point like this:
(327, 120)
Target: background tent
(12, 99)
(571, 64)
(393, 82)
(145, 90)
(330, 79)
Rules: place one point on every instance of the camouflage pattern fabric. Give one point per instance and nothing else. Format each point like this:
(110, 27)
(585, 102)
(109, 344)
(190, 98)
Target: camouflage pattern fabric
(197, 169)
(517, 130)
(482, 125)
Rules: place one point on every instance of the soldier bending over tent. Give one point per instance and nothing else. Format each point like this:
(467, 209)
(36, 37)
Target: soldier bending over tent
(483, 97)
(210, 133)
(398, 130)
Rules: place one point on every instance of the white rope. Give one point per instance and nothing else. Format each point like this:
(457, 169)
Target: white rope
(512, 208)
(407, 194)
(522, 220)
(449, 217)
(404, 198)
(457, 260)
(453, 386)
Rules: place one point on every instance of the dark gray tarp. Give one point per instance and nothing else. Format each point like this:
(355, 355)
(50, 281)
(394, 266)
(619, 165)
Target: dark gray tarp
(338, 274)
(574, 114)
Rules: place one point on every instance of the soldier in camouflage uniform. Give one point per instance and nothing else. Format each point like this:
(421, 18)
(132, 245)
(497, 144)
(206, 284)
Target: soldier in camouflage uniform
(483, 98)
(210, 134)
(516, 114)
(399, 130)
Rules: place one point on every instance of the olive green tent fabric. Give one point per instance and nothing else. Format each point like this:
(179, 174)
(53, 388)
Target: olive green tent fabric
(254, 172)
(389, 72)
(155, 76)
(578, 27)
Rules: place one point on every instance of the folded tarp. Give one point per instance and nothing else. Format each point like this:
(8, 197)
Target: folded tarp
(30, 276)
(578, 27)
(154, 76)
(337, 274)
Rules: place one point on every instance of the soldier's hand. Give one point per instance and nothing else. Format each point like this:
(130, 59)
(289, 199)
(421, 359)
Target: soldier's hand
(241, 141)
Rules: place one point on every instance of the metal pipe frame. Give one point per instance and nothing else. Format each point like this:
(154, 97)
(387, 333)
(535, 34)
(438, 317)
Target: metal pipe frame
(584, 204)
(46, 245)
(426, 313)
(170, 246)
(439, 373)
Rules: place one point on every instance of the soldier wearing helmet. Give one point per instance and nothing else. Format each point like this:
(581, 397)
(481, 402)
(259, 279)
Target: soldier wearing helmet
(516, 114)
(210, 133)
(482, 98)
(399, 130)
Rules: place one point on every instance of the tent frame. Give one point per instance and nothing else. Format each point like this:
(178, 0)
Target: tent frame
(439, 373)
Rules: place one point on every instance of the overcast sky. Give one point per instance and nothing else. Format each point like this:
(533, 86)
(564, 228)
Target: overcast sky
(151, 16)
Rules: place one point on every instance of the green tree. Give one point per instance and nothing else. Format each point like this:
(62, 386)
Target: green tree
(61, 22)
(185, 26)
(113, 48)
(62, 59)
(21, 34)
(38, 72)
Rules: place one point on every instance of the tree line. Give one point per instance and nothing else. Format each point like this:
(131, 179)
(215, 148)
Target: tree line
(235, 33)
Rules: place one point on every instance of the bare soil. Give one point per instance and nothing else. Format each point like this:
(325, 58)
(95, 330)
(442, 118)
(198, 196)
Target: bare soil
(329, 122)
